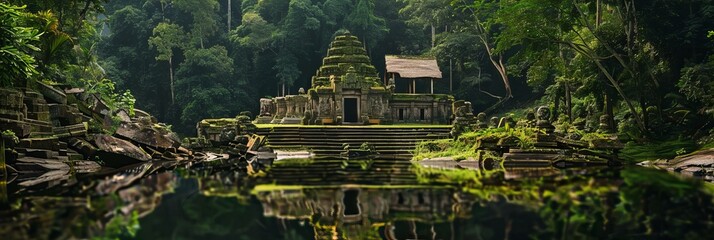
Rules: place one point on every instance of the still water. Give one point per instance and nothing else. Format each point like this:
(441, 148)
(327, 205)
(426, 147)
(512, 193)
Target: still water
(334, 199)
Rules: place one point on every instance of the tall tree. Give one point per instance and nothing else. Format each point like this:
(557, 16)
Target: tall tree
(204, 81)
(365, 24)
(484, 26)
(167, 37)
(205, 18)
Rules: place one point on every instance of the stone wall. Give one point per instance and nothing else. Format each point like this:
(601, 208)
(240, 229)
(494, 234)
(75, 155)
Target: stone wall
(421, 108)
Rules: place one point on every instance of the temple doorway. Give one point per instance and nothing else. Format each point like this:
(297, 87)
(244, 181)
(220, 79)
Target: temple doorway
(351, 110)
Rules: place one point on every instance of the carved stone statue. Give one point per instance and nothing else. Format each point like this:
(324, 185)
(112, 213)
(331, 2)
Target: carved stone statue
(481, 121)
(266, 107)
(493, 123)
(605, 124)
(509, 121)
(391, 85)
(306, 117)
(325, 107)
(301, 91)
(543, 116)
(373, 106)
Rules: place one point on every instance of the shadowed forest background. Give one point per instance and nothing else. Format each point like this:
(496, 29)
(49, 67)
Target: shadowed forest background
(645, 65)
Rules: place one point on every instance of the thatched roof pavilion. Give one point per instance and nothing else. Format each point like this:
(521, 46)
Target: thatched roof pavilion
(412, 67)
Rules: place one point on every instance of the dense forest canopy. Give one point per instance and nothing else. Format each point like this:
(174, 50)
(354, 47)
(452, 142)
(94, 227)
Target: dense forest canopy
(646, 66)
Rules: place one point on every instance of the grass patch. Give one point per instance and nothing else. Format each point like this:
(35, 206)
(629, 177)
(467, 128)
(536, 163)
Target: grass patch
(708, 145)
(456, 149)
(656, 150)
(465, 146)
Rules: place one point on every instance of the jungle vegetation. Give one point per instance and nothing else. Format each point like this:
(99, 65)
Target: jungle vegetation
(647, 64)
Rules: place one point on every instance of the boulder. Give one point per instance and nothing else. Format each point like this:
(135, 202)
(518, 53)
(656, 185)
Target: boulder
(704, 158)
(82, 147)
(51, 93)
(115, 152)
(149, 134)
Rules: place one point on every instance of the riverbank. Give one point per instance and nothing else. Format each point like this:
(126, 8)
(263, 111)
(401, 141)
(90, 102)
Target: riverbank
(699, 164)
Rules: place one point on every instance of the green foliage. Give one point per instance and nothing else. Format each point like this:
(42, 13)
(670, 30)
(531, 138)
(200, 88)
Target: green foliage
(122, 226)
(656, 150)
(465, 146)
(254, 32)
(203, 83)
(365, 24)
(526, 136)
(205, 19)
(107, 90)
(9, 134)
(167, 37)
(17, 44)
(697, 84)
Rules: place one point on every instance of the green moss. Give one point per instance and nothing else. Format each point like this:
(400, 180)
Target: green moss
(526, 136)
(465, 146)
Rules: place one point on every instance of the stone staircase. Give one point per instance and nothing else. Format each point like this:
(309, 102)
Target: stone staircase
(390, 142)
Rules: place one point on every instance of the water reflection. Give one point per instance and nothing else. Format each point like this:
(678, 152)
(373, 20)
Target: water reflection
(367, 212)
(510, 203)
(81, 212)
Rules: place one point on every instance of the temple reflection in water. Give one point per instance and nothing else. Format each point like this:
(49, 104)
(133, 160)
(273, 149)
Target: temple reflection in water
(354, 212)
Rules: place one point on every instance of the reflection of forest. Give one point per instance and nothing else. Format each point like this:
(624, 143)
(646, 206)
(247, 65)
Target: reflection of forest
(83, 212)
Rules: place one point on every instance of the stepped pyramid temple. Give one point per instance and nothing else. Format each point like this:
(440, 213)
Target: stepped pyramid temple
(348, 90)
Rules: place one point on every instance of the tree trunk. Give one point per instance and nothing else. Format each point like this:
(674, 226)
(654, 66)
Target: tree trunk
(171, 78)
(229, 15)
(598, 13)
(645, 115)
(556, 107)
(568, 103)
(433, 35)
(607, 109)
(3, 169)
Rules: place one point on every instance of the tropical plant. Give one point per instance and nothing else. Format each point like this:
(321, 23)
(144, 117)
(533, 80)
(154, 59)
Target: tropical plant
(17, 44)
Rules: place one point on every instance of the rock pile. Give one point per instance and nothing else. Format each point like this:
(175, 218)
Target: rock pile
(51, 132)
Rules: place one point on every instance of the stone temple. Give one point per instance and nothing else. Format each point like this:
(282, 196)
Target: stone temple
(347, 89)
